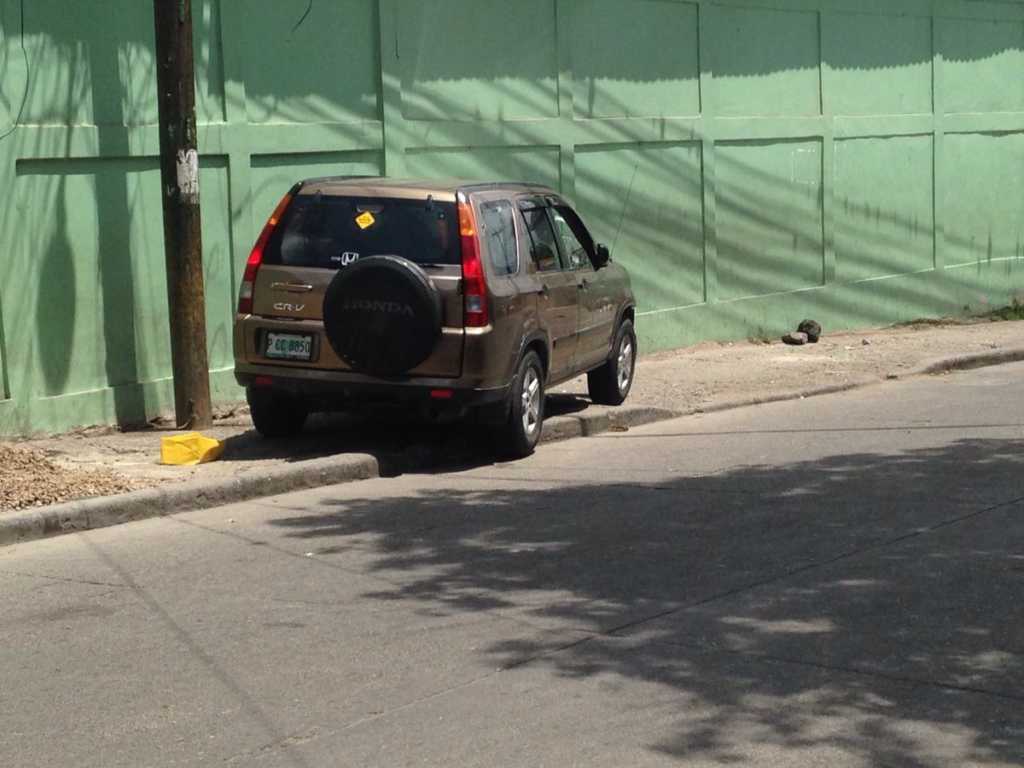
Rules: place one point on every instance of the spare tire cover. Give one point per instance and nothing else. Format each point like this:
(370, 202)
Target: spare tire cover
(382, 315)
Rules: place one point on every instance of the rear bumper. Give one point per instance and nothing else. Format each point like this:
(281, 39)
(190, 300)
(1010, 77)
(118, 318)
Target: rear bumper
(340, 388)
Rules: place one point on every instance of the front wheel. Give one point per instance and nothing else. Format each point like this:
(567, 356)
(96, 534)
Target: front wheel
(610, 384)
(521, 433)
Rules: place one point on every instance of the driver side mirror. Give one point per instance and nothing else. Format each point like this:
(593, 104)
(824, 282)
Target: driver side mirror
(601, 256)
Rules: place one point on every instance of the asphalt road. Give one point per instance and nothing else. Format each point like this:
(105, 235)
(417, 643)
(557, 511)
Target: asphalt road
(830, 582)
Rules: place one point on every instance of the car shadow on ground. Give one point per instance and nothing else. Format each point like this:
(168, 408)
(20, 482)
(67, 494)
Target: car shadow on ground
(867, 604)
(399, 440)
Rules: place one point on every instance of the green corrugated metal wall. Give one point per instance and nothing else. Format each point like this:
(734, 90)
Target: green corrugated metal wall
(754, 162)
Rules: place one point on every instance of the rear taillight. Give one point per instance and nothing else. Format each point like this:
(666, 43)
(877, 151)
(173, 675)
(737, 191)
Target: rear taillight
(474, 284)
(252, 266)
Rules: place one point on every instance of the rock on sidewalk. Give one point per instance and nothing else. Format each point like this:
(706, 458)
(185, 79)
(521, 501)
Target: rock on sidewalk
(810, 328)
(796, 339)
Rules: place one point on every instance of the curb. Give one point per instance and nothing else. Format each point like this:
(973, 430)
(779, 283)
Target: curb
(781, 397)
(936, 367)
(104, 511)
(90, 514)
(588, 424)
(968, 362)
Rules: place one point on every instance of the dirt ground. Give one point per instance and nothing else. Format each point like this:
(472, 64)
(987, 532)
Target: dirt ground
(102, 461)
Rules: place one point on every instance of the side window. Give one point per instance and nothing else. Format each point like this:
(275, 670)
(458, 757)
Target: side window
(576, 252)
(500, 236)
(542, 239)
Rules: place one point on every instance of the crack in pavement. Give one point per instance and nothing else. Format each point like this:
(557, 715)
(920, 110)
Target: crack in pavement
(284, 551)
(825, 430)
(65, 580)
(917, 532)
(316, 732)
(248, 703)
(287, 740)
(400, 587)
(615, 632)
(858, 671)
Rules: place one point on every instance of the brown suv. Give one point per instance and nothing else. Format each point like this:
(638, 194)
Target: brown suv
(459, 298)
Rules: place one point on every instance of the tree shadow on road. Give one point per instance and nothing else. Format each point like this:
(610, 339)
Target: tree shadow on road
(867, 604)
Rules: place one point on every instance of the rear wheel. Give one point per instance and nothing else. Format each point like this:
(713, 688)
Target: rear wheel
(276, 414)
(521, 433)
(610, 384)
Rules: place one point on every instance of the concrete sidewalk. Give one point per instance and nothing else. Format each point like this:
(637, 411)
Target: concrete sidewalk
(705, 378)
(713, 375)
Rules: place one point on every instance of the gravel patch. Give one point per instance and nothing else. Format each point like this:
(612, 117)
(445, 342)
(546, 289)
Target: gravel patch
(29, 479)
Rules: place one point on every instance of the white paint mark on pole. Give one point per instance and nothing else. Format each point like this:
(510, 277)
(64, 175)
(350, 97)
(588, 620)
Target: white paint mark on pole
(188, 176)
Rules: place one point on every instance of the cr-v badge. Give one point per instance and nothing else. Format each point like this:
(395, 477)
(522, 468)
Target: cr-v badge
(282, 307)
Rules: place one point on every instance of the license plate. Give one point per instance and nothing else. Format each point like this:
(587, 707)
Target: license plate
(289, 346)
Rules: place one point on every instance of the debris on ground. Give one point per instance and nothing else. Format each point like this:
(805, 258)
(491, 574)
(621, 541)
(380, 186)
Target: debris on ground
(189, 449)
(223, 414)
(808, 332)
(29, 479)
(812, 329)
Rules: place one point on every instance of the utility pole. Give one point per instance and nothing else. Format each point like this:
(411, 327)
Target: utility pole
(183, 244)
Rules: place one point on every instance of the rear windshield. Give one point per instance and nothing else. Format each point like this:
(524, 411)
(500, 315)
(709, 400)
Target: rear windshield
(331, 232)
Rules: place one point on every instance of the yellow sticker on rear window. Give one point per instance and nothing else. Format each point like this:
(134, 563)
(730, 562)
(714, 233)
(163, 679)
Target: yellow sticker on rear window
(365, 220)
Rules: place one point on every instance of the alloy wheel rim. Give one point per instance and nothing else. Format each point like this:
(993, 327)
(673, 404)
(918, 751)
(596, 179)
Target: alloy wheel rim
(531, 401)
(625, 364)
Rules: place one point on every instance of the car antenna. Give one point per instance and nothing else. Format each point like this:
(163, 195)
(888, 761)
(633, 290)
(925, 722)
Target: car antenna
(625, 205)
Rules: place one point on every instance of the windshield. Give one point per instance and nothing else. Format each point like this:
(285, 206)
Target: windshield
(331, 231)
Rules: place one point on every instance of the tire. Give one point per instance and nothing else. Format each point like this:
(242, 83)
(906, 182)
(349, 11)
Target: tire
(382, 315)
(276, 414)
(610, 384)
(521, 433)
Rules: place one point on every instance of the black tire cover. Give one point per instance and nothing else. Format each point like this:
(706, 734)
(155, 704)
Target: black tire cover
(382, 315)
